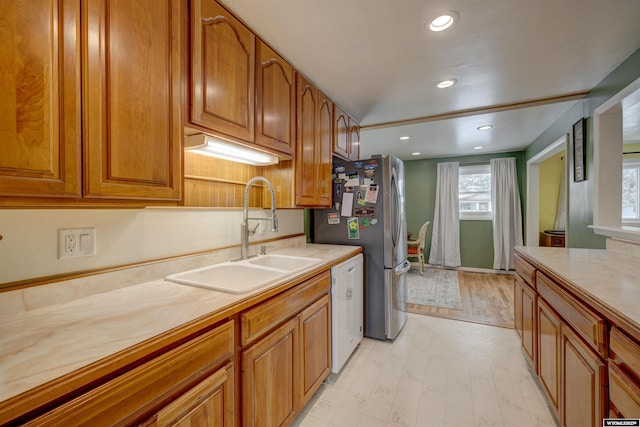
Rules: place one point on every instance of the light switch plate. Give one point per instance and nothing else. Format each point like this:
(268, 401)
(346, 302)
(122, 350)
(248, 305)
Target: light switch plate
(76, 242)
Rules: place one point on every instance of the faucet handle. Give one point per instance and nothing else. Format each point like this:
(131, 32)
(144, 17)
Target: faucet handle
(263, 249)
(252, 232)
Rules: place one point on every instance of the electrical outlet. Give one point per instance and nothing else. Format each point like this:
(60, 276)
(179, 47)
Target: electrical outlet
(76, 242)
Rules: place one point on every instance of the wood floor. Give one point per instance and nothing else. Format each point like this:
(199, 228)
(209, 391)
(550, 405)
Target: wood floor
(486, 298)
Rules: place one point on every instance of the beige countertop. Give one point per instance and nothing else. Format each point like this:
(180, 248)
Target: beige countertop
(608, 280)
(41, 345)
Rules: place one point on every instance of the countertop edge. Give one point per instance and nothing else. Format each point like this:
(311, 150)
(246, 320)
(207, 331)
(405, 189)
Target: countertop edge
(611, 313)
(67, 386)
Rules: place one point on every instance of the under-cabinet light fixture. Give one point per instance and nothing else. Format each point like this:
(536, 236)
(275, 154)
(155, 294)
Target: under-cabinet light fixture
(221, 149)
(404, 138)
(485, 127)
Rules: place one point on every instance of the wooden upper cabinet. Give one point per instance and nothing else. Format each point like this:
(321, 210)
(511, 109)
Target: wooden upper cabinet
(346, 135)
(275, 101)
(131, 98)
(223, 70)
(354, 140)
(305, 159)
(323, 153)
(341, 137)
(40, 107)
(313, 146)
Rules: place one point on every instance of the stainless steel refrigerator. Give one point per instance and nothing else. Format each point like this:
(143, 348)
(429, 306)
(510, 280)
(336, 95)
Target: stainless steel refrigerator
(368, 209)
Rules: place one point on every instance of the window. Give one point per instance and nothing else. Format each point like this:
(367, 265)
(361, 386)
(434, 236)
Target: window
(630, 190)
(474, 192)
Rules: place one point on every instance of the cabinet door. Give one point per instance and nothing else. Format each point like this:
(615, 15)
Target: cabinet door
(517, 305)
(40, 90)
(584, 381)
(210, 404)
(529, 338)
(270, 378)
(549, 339)
(223, 70)
(323, 152)
(305, 160)
(131, 95)
(340, 133)
(275, 101)
(315, 337)
(354, 140)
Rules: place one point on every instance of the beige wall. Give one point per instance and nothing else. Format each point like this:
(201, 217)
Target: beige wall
(29, 248)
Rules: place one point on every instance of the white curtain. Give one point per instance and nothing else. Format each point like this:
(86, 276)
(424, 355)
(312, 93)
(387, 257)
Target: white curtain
(507, 214)
(445, 237)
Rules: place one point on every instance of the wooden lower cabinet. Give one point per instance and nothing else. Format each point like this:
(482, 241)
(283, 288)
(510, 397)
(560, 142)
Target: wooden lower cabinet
(517, 306)
(270, 375)
(624, 371)
(549, 335)
(624, 393)
(584, 382)
(315, 331)
(529, 327)
(171, 383)
(208, 404)
(283, 368)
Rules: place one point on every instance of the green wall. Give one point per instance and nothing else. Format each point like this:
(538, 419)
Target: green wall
(580, 194)
(476, 237)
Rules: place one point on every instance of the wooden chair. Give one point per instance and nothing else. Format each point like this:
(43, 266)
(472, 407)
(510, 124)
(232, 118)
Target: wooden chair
(415, 248)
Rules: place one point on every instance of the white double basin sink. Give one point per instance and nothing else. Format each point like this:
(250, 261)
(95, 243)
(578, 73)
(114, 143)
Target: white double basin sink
(240, 277)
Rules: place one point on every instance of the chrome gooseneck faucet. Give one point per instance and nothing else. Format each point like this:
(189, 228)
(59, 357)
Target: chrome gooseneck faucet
(245, 232)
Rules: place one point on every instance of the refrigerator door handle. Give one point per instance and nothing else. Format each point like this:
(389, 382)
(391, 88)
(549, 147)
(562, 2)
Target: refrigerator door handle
(403, 268)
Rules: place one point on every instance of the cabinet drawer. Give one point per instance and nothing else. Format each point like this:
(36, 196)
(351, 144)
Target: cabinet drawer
(624, 393)
(258, 321)
(625, 352)
(589, 325)
(525, 270)
(127, 398)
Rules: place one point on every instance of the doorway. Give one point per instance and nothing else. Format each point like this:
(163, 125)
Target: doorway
(533, 187)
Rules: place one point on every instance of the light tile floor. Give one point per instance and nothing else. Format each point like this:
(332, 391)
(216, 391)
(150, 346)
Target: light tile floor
(438, 372)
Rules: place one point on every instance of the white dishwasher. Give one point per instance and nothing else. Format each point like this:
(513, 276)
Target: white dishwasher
(347, 300)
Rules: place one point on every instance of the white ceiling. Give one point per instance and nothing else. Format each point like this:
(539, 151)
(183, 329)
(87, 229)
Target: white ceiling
(378, 62)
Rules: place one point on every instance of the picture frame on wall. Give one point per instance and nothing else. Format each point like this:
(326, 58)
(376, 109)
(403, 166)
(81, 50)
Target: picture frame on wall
(579, 150)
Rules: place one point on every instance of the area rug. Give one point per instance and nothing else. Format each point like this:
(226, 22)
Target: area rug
(436, 287)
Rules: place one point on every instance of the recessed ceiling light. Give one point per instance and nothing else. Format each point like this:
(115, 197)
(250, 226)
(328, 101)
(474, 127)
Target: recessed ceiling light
(404, 138)
(417, 153)
(446, 83)
(479, 147)
(485, 127)
(443, 21)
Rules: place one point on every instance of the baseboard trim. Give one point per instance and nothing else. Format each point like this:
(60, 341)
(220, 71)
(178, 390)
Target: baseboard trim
(472, 269)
